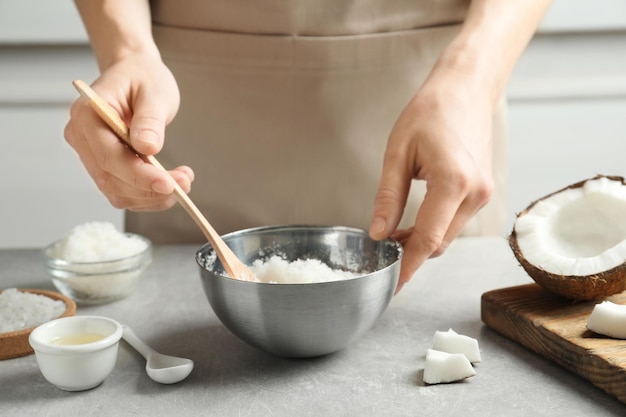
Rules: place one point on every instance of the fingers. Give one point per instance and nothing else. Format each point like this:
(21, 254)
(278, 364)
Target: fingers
(124, 178)
(104, 154)
(447, 207)
(453, 197)
(475, 199)
(391, 196)
(125, 196)
(431, 224)
(147, 128)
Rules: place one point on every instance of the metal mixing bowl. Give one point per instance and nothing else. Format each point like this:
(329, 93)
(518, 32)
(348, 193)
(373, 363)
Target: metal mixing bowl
(303, 320)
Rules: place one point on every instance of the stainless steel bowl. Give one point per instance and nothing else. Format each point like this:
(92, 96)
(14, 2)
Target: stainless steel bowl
(303, 320)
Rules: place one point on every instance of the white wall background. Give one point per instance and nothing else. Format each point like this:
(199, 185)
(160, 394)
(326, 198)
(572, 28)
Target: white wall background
(567, 112)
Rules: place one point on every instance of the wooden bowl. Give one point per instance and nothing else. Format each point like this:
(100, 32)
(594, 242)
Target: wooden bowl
(15, 344)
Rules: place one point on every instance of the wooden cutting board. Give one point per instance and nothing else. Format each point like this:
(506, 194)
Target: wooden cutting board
(556, 329)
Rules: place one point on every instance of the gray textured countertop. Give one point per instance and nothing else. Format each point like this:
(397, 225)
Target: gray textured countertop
(379, 375)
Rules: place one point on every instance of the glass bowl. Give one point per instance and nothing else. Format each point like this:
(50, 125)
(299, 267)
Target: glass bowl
(96, 282)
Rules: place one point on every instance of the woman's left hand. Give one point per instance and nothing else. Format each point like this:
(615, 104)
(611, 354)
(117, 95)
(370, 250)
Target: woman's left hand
(444, 138)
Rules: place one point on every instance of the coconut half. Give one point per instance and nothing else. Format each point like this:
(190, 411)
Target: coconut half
(573, 242)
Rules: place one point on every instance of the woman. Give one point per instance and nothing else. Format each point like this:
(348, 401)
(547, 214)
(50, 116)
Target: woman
(292, 110)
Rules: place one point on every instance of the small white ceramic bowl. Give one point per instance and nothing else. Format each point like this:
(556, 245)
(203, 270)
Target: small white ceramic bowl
(96, 282)
(76, 353)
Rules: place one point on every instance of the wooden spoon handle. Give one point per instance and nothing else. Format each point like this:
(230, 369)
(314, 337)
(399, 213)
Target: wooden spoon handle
(233, 266)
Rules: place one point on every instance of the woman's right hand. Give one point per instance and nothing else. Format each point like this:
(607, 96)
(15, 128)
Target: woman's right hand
(144, 93)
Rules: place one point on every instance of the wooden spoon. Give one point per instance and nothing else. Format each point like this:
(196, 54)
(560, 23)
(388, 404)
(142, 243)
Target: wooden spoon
(233, 266)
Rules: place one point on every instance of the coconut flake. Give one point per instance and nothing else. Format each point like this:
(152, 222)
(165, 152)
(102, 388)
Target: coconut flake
(100, 242)
(277, 270)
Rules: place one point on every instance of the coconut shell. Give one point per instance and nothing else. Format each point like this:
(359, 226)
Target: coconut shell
(573, 287)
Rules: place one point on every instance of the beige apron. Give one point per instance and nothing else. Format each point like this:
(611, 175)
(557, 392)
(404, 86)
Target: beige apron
(287, 107)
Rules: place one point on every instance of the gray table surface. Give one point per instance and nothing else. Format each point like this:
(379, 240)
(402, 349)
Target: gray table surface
(381, 374)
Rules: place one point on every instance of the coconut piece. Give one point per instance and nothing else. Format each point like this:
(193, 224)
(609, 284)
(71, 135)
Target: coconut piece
(609, 319)
(452, 342)
(443, 367)
(573, 242)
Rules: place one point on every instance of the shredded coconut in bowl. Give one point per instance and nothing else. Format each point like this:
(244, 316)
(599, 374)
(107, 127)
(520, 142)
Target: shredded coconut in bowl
(99, 242)
(95, 263)
(277, 270)
(21, 310)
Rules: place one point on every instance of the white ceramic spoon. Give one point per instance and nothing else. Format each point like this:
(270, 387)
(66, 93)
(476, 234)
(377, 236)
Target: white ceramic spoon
(161, 368)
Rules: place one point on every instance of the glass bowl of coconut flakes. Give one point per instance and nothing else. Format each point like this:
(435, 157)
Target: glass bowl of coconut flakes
(96, 264)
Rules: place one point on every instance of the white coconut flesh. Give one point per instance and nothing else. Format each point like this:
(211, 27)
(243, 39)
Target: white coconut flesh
(608, 319)
(452, 342)
(450, 358)
(578, 231)
(443, 367)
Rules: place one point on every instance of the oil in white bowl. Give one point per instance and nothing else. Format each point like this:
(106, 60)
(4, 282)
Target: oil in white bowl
(76, 339)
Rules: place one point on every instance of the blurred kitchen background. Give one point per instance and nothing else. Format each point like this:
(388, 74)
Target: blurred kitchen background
(567, 113)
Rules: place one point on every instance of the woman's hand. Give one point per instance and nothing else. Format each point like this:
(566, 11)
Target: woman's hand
(143, 91)
(442, 137)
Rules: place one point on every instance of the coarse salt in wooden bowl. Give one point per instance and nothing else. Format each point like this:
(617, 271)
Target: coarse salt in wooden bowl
(15, 344)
